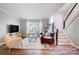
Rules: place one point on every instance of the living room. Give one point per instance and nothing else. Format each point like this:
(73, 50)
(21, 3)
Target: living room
(28, 23)
(28, 29)
(36, 28)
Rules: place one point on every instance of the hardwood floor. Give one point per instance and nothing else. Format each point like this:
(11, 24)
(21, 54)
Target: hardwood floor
(63, 48)
(57, 50)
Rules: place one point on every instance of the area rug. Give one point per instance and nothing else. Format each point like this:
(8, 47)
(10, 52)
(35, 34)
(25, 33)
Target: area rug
(27, 44)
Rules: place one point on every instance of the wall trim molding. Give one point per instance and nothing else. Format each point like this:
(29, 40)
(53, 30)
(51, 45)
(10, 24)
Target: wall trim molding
(7, 12)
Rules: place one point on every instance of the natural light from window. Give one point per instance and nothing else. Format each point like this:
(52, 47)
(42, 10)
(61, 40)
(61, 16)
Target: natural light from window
(51, 19)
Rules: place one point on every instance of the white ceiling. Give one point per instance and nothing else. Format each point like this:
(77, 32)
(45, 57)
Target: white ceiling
(31, 10)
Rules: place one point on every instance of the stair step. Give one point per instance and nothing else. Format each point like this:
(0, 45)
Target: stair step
(60, 32)
(61, 35)
(62, 38)
(63, 41)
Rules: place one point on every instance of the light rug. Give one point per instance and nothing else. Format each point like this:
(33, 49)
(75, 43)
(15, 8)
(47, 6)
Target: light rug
(32, 44)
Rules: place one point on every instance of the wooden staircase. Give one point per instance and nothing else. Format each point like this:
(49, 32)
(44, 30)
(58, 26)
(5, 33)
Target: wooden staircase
(63, 39)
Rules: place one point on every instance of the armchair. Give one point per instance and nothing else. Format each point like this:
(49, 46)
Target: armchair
(48, 39)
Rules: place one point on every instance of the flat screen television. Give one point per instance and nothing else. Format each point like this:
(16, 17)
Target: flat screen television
(13, 28)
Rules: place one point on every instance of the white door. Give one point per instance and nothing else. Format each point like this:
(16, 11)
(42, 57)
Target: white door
(33, 27)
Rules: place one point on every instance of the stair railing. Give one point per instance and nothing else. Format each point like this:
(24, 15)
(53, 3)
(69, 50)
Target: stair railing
(56, 34)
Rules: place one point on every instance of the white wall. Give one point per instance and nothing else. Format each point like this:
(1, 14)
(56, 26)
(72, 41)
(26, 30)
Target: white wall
(73, 31)
(58, 22)
(72, 27)
(23, 28)
(5, 20)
